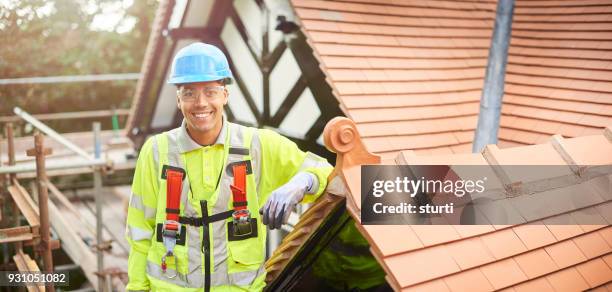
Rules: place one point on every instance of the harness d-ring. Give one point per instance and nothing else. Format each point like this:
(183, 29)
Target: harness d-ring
(175, 265)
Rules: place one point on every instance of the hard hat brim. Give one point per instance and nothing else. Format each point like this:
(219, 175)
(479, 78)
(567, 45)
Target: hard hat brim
(199, 78)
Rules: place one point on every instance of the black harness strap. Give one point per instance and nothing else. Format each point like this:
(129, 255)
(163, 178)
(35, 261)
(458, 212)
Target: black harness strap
(201, 221)
(206, 244)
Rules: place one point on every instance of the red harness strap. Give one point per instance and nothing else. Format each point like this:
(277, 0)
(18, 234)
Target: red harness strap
(239, 187)
(174, 188)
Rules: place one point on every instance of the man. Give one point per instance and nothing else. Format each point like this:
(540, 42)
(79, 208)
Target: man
(203, 193)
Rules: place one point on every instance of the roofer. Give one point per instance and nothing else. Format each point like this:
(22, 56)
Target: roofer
(204, 192)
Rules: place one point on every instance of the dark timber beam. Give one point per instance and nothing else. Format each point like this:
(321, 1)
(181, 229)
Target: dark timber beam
(201, 33)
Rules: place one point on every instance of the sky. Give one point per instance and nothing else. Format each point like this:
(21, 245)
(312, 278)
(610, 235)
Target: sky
(112, 15)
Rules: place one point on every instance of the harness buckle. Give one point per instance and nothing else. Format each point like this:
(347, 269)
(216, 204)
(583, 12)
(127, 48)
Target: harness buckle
(242, 223)
(170, 234)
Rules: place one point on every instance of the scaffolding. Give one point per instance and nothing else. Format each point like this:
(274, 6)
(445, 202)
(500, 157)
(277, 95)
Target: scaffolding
(41, 213)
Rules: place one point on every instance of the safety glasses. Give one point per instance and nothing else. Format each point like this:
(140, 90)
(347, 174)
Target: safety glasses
(210, 93)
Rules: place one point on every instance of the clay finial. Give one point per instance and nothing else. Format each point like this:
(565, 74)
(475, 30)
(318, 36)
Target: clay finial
(341, 137)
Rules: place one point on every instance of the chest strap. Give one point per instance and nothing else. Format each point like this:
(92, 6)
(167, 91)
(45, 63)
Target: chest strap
(201, 221)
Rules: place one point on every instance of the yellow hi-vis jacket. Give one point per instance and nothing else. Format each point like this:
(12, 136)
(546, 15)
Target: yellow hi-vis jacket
(236, 264)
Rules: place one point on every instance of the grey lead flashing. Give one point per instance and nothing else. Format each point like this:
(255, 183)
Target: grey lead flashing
(493, 89)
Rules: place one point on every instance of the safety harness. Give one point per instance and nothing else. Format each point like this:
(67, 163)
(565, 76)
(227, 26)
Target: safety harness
(243, 226)
(171, 228)
(172, 232)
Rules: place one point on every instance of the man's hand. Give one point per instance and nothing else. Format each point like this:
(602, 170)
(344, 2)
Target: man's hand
(282, 201)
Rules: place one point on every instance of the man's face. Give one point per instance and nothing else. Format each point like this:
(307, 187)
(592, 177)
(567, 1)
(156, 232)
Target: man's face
(202, 105)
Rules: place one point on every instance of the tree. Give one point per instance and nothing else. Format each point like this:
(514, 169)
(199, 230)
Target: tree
(55, 37)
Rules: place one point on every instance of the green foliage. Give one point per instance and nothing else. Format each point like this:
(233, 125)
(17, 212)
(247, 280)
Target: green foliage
(55, 37)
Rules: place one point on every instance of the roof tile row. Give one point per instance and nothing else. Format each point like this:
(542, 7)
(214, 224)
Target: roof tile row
(470, 10)
(537, 253)
(313, 14)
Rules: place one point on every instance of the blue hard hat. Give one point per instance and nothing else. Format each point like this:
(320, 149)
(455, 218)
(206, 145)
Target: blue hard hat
(199, 62)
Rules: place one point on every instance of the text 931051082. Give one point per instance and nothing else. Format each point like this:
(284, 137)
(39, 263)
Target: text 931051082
(12, 278)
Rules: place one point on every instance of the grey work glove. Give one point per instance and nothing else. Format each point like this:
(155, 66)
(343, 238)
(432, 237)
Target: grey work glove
(283, 200)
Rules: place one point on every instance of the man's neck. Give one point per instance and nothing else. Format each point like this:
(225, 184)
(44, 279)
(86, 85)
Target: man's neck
(205, 138)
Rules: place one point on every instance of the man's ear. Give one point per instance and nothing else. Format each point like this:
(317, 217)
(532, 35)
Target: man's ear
(226, 95)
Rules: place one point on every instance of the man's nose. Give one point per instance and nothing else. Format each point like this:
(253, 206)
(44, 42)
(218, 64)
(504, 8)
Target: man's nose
(201, 99)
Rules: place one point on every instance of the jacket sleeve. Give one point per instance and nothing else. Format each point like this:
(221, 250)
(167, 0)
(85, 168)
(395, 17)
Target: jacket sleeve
(141, 215)
(281, 159)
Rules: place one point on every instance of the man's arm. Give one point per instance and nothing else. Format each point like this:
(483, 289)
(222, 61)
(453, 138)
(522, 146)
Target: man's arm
(141, 216)
(288, 176)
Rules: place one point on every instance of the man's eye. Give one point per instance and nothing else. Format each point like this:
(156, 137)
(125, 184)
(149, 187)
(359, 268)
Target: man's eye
(188, 93)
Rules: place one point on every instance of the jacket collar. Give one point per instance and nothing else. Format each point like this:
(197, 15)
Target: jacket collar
(187, 144)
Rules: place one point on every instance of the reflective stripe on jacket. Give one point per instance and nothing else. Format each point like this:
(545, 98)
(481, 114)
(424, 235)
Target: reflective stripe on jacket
(235, 265)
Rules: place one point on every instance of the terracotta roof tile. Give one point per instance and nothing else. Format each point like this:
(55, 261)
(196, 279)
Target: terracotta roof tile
(413, 113)
(571, 130)
(508, 134)
(462, 148)
(540, 284)
(440, 150)
(432, 262)
(592, 245)
(547, 127)
(503, 244)
(503, 273)
(466, 231)
(388, 10)
(565, 44)
(399, 100)
(534, 235)
(431, 286)
(560, 3)
(504, 209)
(432, 235)
(536, 263)
(345, 62)
(576, 149)
(389, 246)
(602, 186)
(588, 219)
(472, 280)
(565, 253)
(606, 234)
(470, 253)
(595, 272)
(608, 259)
(567, 280)
(562, 105)
(585, 85)
(562, 232)
(605, 210)
(559, 201)
(502, 143)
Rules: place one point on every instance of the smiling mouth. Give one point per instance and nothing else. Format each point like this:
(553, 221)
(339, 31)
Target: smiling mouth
(201, 116)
